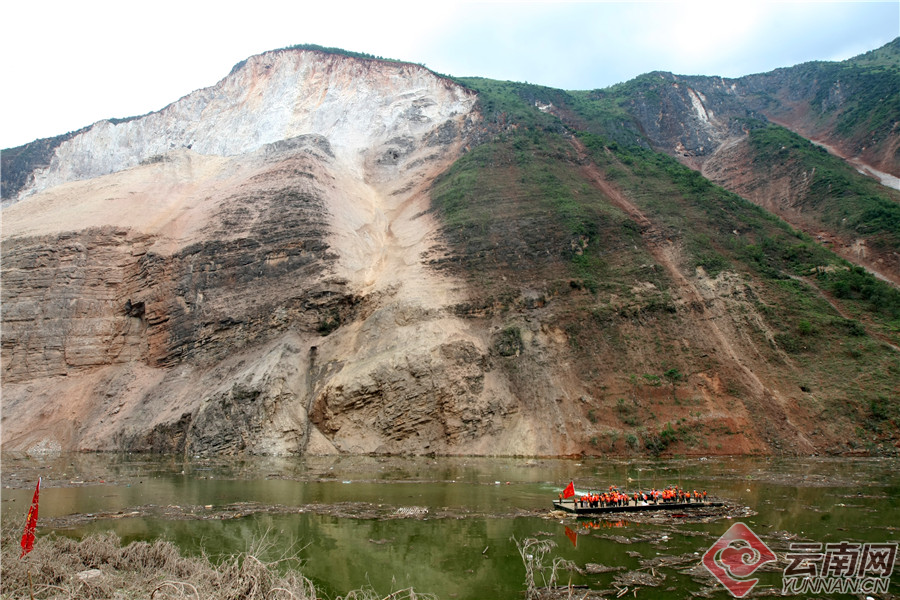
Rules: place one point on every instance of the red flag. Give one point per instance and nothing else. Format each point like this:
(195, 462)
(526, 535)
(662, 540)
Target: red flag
(570, 490)
(573, 537)
(31, 522)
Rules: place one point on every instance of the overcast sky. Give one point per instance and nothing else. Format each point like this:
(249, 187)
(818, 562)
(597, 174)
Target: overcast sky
(67, 64)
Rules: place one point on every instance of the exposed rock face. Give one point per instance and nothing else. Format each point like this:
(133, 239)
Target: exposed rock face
(705, 122)
(692, 116)
(688, 117)
(258, 268)
(357, 104)
(219, 270)
(787, 191)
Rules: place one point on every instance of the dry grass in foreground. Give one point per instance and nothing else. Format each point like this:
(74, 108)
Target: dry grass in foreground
(99, 567)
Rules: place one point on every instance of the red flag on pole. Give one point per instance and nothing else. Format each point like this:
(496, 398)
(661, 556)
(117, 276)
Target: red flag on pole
(570, 490)
(31, 522)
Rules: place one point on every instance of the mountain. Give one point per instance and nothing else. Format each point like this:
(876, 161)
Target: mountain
(328, 252)
(727, 129)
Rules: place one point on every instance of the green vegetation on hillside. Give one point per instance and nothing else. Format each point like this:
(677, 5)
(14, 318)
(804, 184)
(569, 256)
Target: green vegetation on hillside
(864, 95)
(886, 56)
(762, 241)
(717, 226)
(508, 102)
(850, 374)
(847, 201)
(523, 214)
(331, 50)
(518, 202)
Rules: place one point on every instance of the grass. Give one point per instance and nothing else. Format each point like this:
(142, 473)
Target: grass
(706, 216)
(154, 570)
(789, 270)
(542, 580)
(839, 197)
(518, 202)
(140, 570)
(508, 102)
(872, 96)
(520, 212)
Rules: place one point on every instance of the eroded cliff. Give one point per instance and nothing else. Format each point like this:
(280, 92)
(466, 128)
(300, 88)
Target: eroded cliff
(325, 253)
(724, 129)
(208, 276)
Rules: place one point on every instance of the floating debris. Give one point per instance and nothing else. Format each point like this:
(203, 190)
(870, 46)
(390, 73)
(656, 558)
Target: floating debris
(411, 511)
(595, 568)
(639, 578)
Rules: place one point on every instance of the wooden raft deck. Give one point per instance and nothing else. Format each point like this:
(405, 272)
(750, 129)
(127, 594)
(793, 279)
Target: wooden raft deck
(572, 507)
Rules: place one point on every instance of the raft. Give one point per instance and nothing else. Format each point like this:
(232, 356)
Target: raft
(572, 507)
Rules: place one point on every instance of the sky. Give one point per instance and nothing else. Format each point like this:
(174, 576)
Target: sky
(68, 64)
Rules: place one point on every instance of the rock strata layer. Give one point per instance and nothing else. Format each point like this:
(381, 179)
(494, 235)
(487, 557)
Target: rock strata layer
(242, 272)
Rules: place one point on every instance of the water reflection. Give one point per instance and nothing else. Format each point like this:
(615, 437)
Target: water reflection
(468, 553)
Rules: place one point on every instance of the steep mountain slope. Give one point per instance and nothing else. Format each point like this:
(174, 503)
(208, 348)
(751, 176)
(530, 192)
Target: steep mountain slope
(691, 319)
(723, 127)
(816, 192)
(852, 105)
(329, 253)
(168, 279)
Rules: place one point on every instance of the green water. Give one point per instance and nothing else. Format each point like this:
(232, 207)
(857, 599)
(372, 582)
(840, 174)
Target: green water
(462, 548)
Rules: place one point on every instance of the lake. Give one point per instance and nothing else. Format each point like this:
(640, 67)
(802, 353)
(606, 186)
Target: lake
(448, 526)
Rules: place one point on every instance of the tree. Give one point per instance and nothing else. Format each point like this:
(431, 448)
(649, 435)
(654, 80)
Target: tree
(674, 376)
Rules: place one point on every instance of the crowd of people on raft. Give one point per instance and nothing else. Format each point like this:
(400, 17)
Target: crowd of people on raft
(672, 494)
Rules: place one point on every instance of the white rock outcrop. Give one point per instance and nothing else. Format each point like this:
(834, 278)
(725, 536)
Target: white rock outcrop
(355, 104)
(242, 271)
